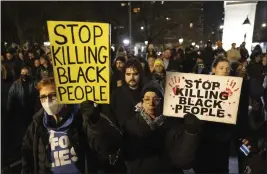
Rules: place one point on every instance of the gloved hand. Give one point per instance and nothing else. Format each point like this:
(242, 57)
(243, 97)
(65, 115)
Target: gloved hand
(90, 111)
(192, 124)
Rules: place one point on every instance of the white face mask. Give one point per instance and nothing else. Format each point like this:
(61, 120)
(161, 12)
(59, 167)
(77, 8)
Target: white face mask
(52, 107)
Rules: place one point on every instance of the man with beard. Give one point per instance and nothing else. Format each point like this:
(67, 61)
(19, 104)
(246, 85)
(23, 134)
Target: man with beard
(124, 98)
(169, 63)
(117, 76)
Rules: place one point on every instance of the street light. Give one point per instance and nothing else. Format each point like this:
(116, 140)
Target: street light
(146, 42)
(263, 25)
(142, 28)
(126, 41)
(193, 44)
(191, 25)
(46, 43)
(181, 40)
(167, 18)
(221, 27)
(246, 24)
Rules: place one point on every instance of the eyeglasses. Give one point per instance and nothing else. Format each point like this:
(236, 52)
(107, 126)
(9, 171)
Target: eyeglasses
(155, 100)
(51, 96)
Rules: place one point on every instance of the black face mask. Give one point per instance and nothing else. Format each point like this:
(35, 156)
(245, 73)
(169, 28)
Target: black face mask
(24, 77)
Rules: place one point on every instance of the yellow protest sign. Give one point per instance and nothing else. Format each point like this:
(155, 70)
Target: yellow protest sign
(80, 55)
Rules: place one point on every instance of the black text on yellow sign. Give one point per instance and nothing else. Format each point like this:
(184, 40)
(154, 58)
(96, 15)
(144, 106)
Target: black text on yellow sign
(80, 53)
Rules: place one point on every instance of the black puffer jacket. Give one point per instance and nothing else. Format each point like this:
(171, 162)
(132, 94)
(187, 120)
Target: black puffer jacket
(166, 149)
(36, 141)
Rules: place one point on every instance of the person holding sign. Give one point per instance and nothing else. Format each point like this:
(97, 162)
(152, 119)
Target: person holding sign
(58, 138)
(214, 150)
(149, 141)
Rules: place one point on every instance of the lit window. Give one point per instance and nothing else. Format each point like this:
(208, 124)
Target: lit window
(136, 10)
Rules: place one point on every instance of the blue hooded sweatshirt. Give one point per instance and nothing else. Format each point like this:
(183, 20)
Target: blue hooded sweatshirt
(62, 156)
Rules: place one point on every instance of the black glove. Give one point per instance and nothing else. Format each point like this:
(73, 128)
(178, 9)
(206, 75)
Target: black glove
(90, 111)
(192, 124)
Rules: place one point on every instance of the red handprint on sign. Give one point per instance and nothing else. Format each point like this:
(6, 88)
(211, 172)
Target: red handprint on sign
(175, 85)
(230, 88)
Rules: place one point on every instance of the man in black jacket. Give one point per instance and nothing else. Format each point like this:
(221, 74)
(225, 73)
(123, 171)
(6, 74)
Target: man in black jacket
(169, 63)
(127, 95)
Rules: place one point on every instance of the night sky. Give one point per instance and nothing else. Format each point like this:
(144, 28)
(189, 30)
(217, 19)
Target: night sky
(213, 14)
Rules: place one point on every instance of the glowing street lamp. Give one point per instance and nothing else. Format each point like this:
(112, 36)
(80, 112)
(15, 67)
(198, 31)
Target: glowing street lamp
(263, 25)
(146, 42)
(191, 25)
(142, 28)
(221, 27)
(246, 25)
(181, 40)
(126, 41)
(193, 44)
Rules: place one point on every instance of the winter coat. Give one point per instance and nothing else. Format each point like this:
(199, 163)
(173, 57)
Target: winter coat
(200, 68)
(208, 56)
(244, 54)
(255, 71)
(36, 141)
(116, 76)
(16, 95)
(46, 72)
(233, 55)
(10, 67)
(160, 78)
(220, 51)
(166, 149)
(175, 66)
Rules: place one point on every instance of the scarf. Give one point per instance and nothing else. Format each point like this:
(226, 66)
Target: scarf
(153, 124)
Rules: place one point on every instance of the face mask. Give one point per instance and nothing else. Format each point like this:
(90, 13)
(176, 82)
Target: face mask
(52, 107)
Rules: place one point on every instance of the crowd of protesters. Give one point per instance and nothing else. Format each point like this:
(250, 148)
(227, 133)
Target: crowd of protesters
(131, 134)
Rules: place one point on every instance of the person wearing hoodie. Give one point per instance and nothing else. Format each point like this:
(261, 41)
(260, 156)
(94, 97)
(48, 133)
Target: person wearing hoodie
(117, 76)
(208, 55)
(255, 68)
(20, 106)
(159, 72)
(148, 141)
(243, 52)
(22, 94)
(60, 140)
(46, 69)
(200, 67)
